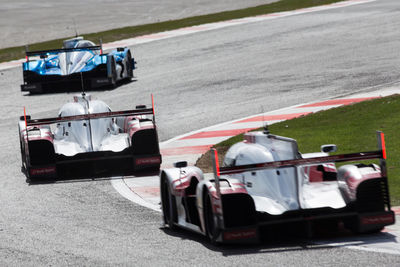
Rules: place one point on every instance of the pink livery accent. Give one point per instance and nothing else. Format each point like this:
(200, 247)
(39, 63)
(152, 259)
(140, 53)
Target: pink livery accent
(316, 172)
(353, 182)
(232, 190)
(37, 133)
(132, 124)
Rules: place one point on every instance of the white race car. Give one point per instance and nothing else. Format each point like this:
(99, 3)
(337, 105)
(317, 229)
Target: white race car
(87, 139)
(265, 182)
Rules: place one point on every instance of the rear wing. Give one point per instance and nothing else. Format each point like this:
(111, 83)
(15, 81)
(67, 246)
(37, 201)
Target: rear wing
(378, 154)
(45, 53)
(132, 112)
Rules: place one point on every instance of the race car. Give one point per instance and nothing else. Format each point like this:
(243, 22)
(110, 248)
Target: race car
(265, 182)
(80, 63)
(87, 139)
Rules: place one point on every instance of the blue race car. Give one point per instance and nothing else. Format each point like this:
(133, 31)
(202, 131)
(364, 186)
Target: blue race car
(80, 63)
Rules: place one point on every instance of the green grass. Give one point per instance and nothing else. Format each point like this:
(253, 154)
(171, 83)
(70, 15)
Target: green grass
(352, 128)
(7, 54)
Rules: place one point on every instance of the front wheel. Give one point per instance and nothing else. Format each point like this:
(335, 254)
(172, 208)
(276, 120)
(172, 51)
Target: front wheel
(168, 205)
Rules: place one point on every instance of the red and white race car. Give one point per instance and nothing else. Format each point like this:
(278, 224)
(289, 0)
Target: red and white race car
(266, 182)
(87, 139)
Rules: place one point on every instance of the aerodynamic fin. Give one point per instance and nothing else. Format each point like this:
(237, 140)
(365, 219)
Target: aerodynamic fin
(378, 154)
(57, 51)
(133, 112)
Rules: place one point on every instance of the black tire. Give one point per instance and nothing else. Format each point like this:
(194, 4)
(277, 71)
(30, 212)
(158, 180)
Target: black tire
(373, 231)
(354, 227)
(129, 67)
(168, 206)
(113, 73)
(21, 148)
(210, 220)
(24, 165)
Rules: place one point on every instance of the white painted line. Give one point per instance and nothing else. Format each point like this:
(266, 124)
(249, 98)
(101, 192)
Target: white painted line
(244, 125)
(121, 187)
(196, 142)
(388, 243)
(208, 27)
(168, 161)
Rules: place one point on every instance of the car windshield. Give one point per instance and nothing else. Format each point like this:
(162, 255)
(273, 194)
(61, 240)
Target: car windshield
(84, 43)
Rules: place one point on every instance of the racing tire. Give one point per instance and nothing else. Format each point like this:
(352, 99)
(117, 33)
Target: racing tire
(354, 227)
(36, 92)
(22, 151)
(168, 206)
(113, 73)
(129, 67)
(210, 220)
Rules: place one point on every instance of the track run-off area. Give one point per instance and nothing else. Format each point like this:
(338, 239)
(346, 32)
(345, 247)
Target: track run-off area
(199, 80)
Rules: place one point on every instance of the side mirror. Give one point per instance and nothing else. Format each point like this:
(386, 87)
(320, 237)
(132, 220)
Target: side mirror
(328, 148)
(22, 118)
(140, 106)
(180, 164)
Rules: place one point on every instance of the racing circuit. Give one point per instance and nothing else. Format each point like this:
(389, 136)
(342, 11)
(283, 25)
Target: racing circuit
(197, 79)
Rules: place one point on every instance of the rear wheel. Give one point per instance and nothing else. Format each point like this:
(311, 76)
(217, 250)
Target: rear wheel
(354, 226)
(113, 73)
(129, 67)
(168, 205)
(210, 220)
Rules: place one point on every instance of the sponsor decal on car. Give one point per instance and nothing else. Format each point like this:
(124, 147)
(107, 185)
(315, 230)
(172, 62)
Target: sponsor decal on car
(102, 80)
(377, 219)
(30, 86)
(148, 161)
(240, 234)
(41, 171)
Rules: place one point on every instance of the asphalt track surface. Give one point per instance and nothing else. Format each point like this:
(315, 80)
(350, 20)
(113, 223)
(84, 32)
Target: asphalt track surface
(198, 80)
(30, 21)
